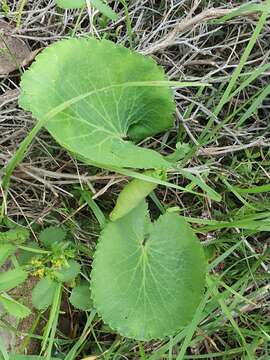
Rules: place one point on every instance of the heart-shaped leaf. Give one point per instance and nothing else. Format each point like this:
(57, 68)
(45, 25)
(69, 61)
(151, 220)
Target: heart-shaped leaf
(94, 95)
(148, 278)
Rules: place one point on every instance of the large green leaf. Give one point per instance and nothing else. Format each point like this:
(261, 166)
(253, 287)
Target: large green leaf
(148, 278)
(95, 95)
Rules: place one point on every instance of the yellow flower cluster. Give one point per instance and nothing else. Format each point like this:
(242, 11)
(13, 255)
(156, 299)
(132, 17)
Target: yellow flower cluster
(39, 272)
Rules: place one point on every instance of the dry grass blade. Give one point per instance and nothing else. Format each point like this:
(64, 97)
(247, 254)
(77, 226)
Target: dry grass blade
(185, 25)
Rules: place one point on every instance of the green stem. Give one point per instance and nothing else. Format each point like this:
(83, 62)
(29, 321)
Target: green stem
(22, 4)
(142, 352)
(128, 23)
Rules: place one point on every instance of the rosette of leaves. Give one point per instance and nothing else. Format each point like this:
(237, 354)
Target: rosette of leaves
(148, 278)
(63, 269)
(98, 99)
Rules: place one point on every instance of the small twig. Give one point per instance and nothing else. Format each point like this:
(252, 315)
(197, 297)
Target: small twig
(59, 175)
(230, 149)
(185, 25)
(106, 187)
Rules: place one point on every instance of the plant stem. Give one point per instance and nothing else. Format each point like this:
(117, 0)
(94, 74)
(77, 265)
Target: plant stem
(128, 23)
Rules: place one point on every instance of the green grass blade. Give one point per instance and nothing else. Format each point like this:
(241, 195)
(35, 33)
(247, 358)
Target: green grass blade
(253, 190)
(241, 10)
(74, 351)
(193, 326)
(50, 329)
(254, 75)
(226, 95)
(213, 289)
(201, 184)
(94, 207)
(254, 106)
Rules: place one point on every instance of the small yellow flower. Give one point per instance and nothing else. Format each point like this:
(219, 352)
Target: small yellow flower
(36, 262)
(40, 272)
(57, 263)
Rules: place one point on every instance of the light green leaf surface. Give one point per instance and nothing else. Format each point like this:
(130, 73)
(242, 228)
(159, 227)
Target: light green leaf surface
(133, 193)
(43, 293)
(80, 297)
(5, 251)
(148, 278)
(69, 273)
(71, 4)
(95, 95)
(104, 9)
(98, 4)
(12, 278)
(17, 235)
(25, 255)
(51, 235)
(13, 307)
(29, 357)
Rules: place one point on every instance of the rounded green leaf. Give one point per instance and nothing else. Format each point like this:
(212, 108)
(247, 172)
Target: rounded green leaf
(97, 97)
(69, 273)
(51, 235)
(148, 279)
(80, 297)
(43, 293)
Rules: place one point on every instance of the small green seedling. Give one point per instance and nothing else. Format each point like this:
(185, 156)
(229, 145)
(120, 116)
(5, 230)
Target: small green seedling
(54, 267)
(52, 262)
